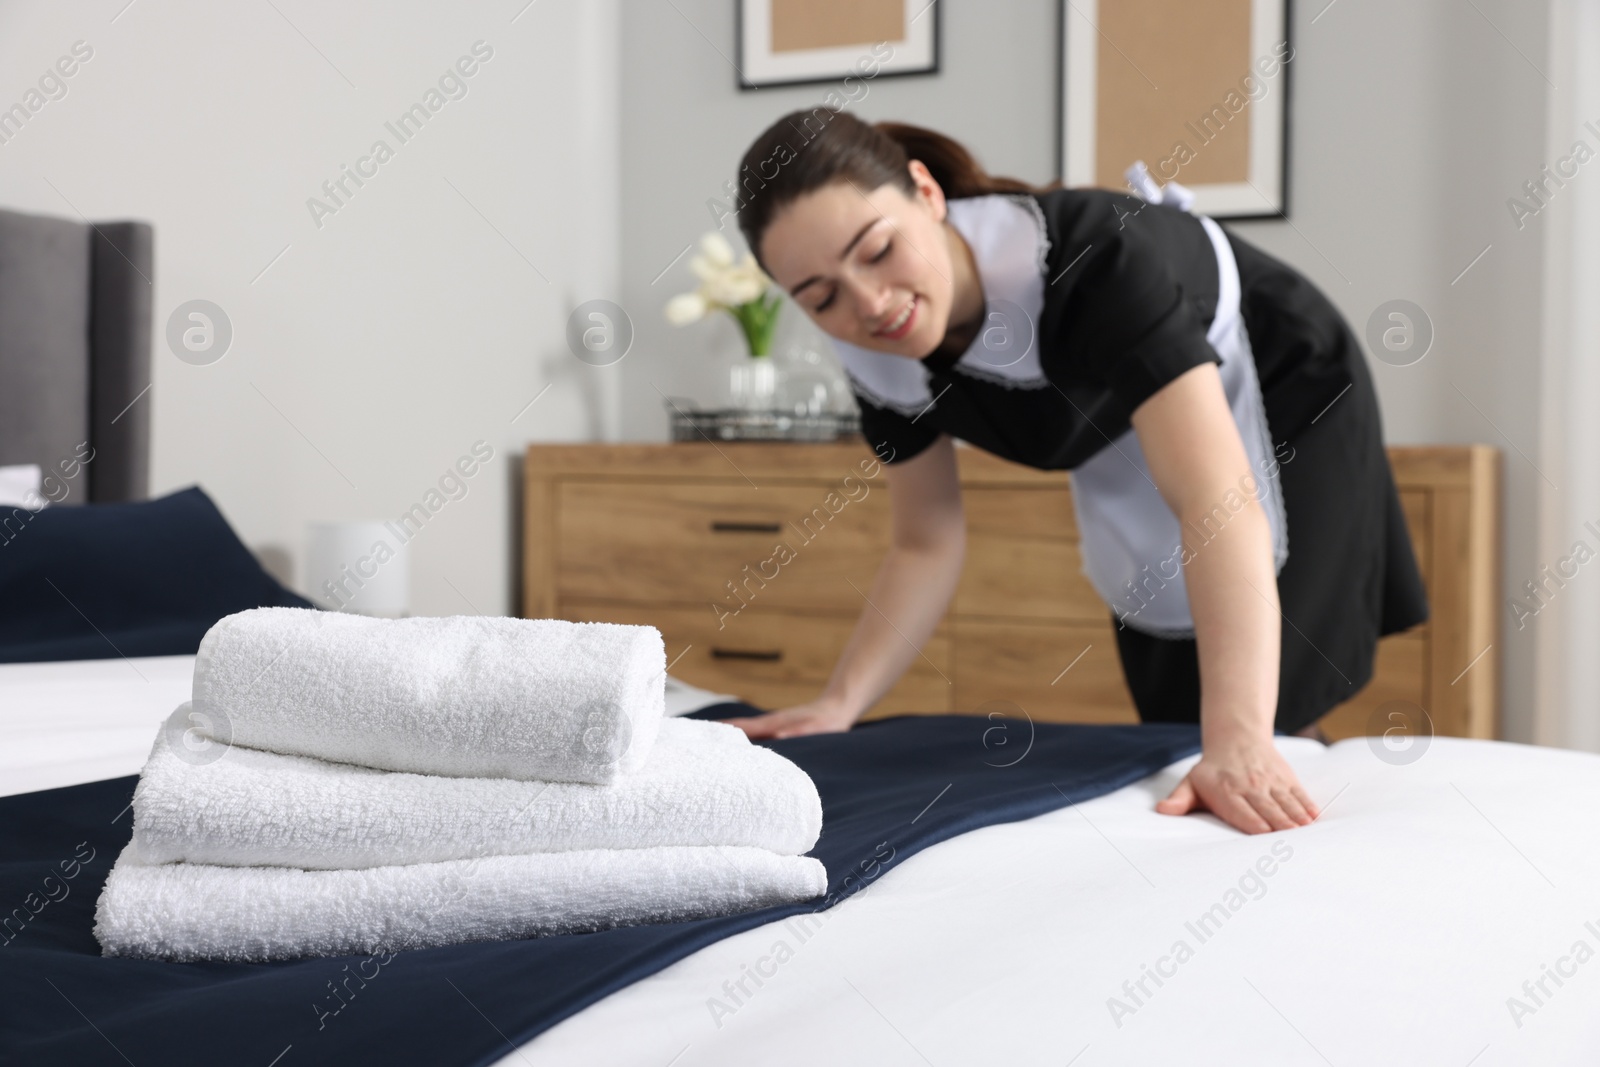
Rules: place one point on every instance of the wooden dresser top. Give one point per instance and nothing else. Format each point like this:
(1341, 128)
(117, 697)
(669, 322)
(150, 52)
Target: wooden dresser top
(1431, 466)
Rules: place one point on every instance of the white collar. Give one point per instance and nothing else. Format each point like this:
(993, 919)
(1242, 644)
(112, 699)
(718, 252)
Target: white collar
(1009, 243)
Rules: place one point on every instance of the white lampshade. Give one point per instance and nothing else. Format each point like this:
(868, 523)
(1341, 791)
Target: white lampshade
(19, 486)
(360, 567)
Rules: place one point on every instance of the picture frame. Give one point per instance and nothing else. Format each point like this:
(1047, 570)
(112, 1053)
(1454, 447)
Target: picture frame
(802, 42)
(1197, 89)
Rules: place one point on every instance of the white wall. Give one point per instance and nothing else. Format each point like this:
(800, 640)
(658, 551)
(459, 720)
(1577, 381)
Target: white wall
(1566, 631)
(381, 345)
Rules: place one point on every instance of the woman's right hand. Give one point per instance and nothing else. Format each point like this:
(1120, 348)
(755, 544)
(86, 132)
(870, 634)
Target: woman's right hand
(909, 595)
(820, 716)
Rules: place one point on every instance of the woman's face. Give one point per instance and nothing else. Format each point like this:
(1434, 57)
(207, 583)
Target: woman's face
(872, 269)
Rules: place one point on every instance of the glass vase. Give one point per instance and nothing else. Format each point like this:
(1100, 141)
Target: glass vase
(752, 384)
(811, 384)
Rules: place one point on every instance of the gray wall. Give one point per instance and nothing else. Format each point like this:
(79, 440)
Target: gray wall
(1411, 125)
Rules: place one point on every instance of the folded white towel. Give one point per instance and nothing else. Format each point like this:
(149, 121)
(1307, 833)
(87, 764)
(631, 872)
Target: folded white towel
(704, 783)
(463, 695)
(186, 911)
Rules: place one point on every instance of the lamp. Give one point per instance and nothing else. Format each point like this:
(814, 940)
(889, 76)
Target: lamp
(357, 567)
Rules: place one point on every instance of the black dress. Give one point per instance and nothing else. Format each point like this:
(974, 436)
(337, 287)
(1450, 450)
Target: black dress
(1129, 291)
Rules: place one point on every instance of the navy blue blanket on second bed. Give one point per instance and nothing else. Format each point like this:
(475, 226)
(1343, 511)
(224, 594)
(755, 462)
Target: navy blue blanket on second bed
(889, 788)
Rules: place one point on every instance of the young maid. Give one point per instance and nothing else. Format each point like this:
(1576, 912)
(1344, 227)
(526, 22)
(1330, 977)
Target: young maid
(1234, 503)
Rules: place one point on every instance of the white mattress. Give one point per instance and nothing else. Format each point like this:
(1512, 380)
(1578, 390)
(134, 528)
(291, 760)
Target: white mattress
(1396, 931)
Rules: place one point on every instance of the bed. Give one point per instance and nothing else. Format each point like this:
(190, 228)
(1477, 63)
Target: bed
(1400, 928)
(1440, 911)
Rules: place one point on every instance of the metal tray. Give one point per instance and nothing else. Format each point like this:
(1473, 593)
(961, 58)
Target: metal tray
(691, 424)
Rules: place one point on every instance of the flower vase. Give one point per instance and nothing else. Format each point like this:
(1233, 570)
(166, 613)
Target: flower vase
(810, 385)
(752, 384)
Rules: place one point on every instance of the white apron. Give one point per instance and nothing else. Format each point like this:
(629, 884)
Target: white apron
(1131, 544)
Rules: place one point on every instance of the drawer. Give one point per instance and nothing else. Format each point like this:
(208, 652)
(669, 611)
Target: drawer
(781, 546)
(1399, 673)
(1056, 672)
(1044, 513)
(1028, 665)
(772, 659)
(1022, 558)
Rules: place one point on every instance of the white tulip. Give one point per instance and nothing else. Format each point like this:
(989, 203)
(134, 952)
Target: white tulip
(686, 308)
(733, 289)
(751, 270)
(717, 249)
(704, 269)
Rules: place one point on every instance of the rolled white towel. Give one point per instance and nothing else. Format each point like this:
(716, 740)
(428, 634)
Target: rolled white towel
(704, 783)
(462, 695)
(187, 912)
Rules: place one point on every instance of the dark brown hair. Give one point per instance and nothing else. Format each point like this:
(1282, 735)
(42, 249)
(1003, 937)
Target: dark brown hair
(806, 150)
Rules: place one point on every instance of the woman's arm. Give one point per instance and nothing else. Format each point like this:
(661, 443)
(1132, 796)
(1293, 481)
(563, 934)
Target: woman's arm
(1198, 461)
(908, 597)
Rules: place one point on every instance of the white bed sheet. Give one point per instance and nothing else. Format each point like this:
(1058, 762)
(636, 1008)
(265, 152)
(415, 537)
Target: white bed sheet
(1397, 931)
(86, 720)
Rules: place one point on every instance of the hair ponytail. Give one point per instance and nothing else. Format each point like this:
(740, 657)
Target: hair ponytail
(806, 150)
(952, 166)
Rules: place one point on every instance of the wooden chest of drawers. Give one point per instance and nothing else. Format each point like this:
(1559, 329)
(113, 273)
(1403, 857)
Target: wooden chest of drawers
(753, 560)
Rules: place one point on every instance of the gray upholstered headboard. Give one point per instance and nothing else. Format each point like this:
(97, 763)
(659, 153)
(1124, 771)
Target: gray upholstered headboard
(75, 303)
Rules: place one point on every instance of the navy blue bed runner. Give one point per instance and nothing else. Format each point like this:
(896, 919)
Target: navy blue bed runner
(889, 789)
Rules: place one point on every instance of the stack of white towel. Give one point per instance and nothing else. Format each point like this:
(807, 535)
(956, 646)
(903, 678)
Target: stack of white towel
(341, 784)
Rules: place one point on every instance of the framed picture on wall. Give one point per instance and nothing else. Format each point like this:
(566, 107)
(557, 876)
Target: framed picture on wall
(794, 42)
(1197, 89)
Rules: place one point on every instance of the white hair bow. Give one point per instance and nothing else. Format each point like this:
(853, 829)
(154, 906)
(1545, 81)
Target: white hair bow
(1178, 196)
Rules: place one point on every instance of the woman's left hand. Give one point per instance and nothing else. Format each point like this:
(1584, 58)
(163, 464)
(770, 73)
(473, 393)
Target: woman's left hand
(1248, 785)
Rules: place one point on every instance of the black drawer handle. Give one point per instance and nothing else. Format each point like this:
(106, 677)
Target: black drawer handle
(745, 527)
(771, 656)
